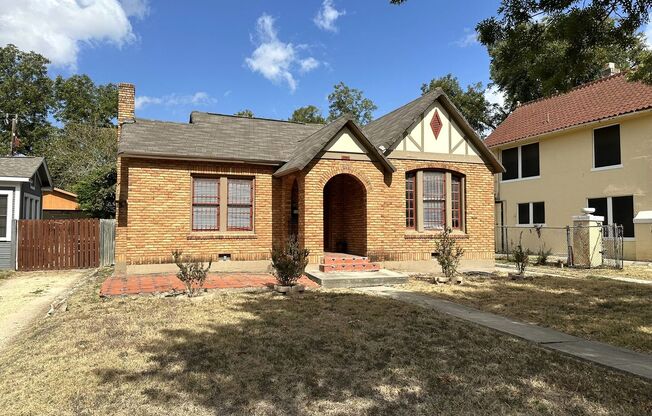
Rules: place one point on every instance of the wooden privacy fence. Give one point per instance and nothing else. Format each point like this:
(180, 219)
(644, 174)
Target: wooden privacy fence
(58, 244)
(107, 242)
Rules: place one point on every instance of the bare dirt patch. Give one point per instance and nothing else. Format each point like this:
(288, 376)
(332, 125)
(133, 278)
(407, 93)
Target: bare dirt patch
(25, 296)
(320, 353)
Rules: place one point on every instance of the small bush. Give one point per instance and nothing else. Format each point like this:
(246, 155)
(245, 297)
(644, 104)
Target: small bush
(289, 262)
(191, 272)
(449, 254)
(542, 256)
(521, 257)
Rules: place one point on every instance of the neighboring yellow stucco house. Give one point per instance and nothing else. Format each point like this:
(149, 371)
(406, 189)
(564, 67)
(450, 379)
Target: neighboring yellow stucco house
(590, 147)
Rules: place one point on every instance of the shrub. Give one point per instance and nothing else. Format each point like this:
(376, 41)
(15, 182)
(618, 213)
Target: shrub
(521, 257)
(191, 272)
(542, 256)
(289, 262)
(449, 254)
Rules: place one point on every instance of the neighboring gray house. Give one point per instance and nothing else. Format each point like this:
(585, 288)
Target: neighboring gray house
(22, 182)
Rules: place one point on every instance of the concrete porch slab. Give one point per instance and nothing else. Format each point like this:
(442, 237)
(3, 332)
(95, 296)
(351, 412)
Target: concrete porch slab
(334, 280)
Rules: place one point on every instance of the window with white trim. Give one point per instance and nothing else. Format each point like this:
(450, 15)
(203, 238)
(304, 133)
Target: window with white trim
(434, 200)
(531, 213)
(616, 210)
(521, 162)
(606, 146)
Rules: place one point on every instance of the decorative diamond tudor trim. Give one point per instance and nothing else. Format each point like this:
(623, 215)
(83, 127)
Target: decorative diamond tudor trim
(435, 124)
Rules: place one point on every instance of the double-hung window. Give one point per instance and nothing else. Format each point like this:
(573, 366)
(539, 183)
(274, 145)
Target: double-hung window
(206, 204)
(434, 200)
(521, 162)
(240, 206)
(222, 204)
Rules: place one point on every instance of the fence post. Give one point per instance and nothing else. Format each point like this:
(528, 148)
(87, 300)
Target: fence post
(587, 239)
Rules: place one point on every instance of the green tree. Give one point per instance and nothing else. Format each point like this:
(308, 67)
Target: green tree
(542, 47)
(245, 113)
(77, 149)
(345, 100)
(307, 114)
(96, 192)
(25, 90)
(79, 100)
(480, 113)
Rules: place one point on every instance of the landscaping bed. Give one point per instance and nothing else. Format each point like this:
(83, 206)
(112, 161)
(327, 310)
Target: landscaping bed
(332, 353)
(605, 310)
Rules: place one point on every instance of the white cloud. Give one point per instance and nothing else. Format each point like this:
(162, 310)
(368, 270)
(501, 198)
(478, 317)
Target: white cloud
(494, 96)
(470, 38)
(327, 16)
(274, 59)
(199, 98)
(136, 8)
(308, 64)
(58, 28)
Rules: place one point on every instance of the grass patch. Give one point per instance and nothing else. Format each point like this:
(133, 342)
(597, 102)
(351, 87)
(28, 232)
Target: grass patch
(332, 353)
(599, 309)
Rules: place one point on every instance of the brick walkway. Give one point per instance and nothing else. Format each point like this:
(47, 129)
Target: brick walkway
(161, 283)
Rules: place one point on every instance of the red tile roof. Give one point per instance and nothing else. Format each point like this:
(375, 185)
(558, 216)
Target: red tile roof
(607, 97)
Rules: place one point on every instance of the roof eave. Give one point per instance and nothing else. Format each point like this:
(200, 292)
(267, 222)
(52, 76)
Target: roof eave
(147, 155)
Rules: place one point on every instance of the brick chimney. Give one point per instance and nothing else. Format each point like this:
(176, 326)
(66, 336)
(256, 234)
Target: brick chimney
(126, 104)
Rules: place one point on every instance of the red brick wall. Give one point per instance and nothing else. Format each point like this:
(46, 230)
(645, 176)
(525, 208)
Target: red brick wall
(157, 216)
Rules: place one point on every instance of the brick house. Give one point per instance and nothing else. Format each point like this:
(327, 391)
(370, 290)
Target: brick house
(234, 187)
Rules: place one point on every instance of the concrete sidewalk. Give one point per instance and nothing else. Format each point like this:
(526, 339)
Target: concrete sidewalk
(614, 357)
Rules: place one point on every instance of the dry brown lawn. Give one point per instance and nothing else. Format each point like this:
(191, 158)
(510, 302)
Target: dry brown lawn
(633, 272)
(599, 309)
(332, 353)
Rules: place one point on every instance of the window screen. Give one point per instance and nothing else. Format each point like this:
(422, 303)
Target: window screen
(409, 200)
(456, 202)
(3, 216)
(434, 200)
(206, 204)
(623, 213)
(240, 212)
(524, 213)
(606, 146)
(530, 160)
(538, 213)
(510, 162)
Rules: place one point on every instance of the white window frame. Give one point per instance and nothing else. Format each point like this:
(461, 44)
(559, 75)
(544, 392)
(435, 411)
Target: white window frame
(618, 166)
(610, 212)
(520, 165)
(531, 209)
(10, 210)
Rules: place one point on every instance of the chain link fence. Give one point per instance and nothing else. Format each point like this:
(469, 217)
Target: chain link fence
(577, 246)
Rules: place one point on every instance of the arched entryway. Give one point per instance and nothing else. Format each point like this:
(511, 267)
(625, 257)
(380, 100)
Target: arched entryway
(345, 215)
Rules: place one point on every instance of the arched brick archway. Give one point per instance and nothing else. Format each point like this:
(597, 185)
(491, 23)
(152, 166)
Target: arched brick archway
(345, 215)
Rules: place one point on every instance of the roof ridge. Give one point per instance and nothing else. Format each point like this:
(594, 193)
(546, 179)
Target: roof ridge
(438, 90)
(575, 88)
(257, 118)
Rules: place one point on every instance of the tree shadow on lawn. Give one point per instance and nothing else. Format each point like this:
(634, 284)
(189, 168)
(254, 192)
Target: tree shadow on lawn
(614, 312)
(347, 353)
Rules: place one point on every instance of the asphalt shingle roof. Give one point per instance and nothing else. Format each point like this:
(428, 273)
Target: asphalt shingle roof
(309, 147)
(19, 167)
(215, 136)
(607, 97)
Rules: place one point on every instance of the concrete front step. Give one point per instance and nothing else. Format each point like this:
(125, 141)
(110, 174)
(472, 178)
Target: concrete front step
(334, 280)
(349, 267)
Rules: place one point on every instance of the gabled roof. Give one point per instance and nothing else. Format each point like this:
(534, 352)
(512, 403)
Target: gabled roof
(22, 168)
(307, 149)
(390, 129)
(605, 98)
(214, 136)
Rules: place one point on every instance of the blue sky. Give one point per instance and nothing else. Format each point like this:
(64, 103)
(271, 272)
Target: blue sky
(269, 56)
